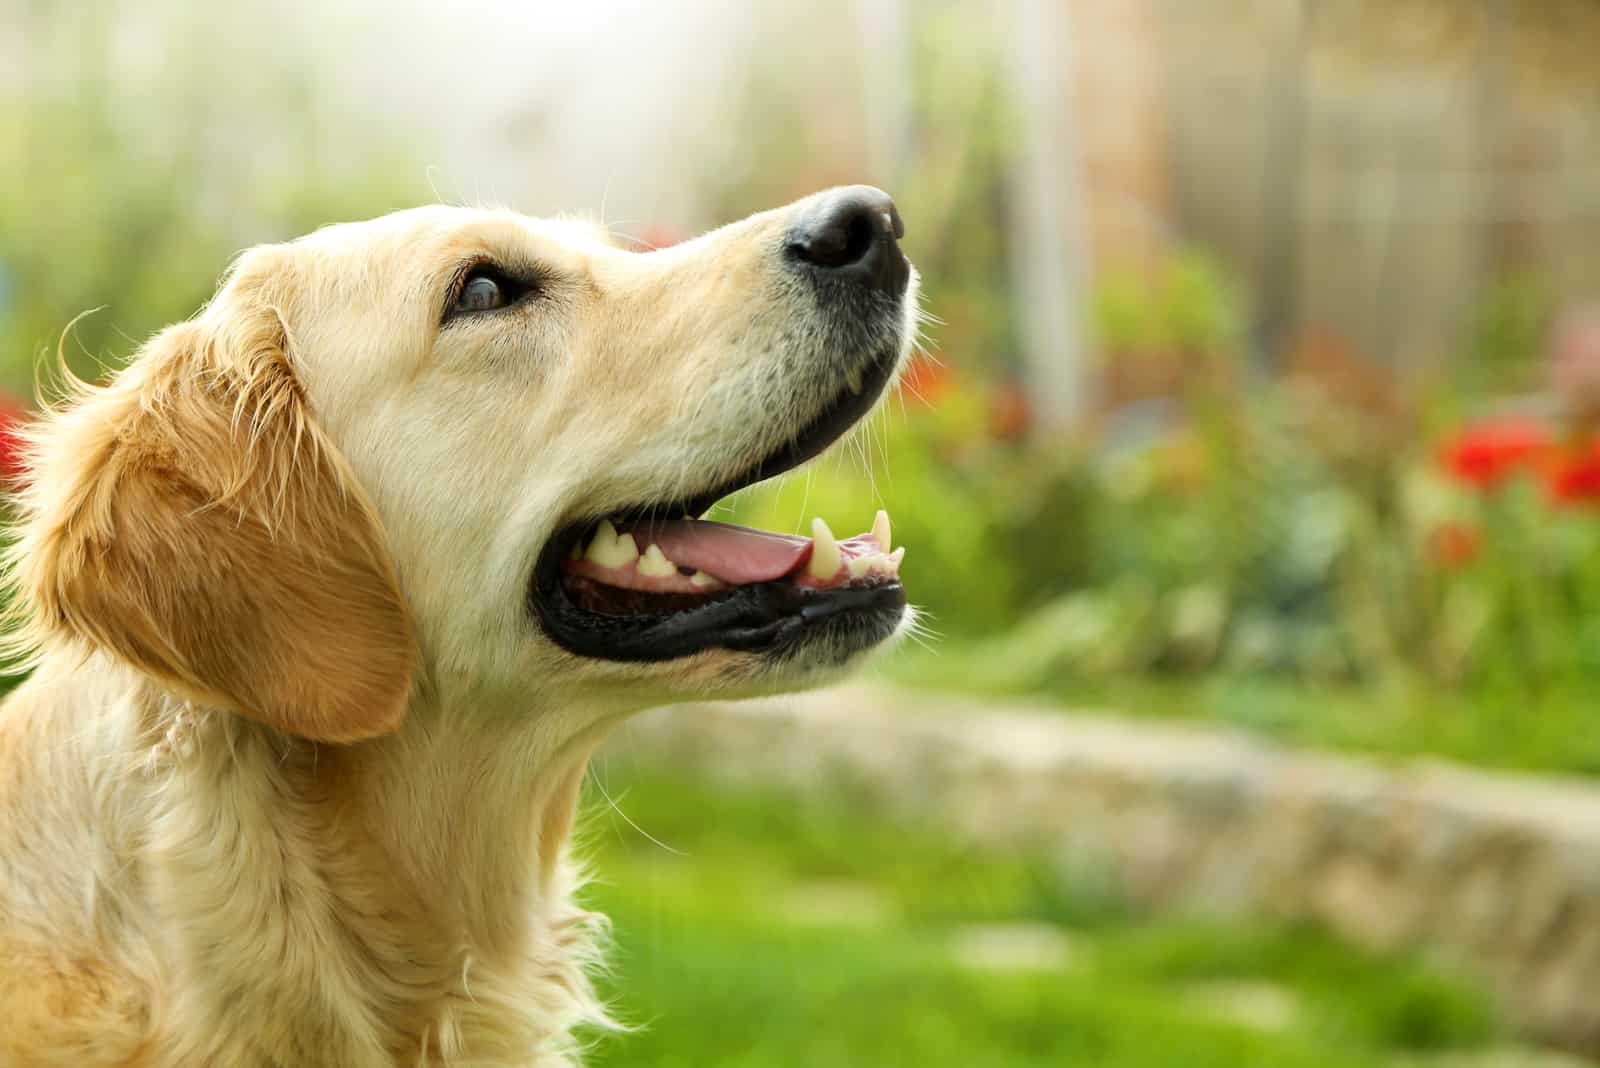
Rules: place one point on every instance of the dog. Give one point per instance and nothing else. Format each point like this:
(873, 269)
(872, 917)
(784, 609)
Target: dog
(332, 591)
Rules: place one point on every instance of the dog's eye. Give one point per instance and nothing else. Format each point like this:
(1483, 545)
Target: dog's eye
(481, 293)
(486, 289)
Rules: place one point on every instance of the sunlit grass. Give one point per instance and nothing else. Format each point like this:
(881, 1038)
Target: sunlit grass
(761, 931)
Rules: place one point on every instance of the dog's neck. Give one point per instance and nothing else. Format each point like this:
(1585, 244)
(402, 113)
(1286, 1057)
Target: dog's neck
(475, 811)
(430, 865)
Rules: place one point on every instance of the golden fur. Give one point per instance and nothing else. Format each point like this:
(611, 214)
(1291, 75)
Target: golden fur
(292, 779)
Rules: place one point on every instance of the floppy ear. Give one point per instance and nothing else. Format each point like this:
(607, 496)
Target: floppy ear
(191, 519)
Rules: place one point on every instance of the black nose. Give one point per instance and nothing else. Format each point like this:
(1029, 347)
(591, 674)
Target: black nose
(852, 234)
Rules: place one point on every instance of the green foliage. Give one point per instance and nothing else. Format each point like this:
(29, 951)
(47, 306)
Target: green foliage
(1271, 558)
(1508, 335)
(721, 965)
(965, 512)
(115, 201)
(1186, 305)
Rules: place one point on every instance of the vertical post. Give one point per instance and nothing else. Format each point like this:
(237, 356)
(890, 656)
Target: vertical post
(1049, 238)
(1487, 212)
(884, 29)
(1283, 161)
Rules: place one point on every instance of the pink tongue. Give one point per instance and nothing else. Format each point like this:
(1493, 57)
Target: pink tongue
(731, 553)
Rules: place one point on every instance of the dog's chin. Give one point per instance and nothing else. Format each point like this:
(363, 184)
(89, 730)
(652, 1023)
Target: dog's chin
(820, 658)
(816, 659)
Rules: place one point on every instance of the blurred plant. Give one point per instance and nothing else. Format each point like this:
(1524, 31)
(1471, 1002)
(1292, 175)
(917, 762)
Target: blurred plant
(1507, 338)
(1574, 476)
(1454, 544)
(99, 210)
(1307, 527)
(12, 415)
(1169, 329)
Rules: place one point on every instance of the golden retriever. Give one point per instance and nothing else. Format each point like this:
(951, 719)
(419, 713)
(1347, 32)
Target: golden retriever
(331, 593)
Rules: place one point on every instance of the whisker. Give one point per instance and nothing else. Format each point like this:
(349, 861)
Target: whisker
(629, 820)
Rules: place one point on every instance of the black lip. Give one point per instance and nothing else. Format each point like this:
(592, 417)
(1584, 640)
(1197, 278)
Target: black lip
(753, 617)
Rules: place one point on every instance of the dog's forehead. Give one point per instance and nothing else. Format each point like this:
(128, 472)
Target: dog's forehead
(448, 232)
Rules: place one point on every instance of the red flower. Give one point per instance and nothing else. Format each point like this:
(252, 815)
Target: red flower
(1010, 412)
(12, 415)
(1486, 454)
(1574, 478)
(1454, 545)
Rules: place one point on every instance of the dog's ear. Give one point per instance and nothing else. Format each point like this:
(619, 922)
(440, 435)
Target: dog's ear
(191, 518)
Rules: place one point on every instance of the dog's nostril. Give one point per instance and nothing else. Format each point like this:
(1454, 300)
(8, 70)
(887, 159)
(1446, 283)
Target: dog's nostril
(838, 241)
(854, 232)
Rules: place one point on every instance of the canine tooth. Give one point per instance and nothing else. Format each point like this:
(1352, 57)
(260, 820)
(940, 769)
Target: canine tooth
(610, 549)
(880, 530)
(700, 578)
(825, 554)
(605, 537)
(655, 564)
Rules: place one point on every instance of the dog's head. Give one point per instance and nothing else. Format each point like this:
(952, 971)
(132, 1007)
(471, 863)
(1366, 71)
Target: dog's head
(468, 449)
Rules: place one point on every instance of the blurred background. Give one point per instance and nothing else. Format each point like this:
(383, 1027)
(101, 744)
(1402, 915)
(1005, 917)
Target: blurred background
(1263, 394)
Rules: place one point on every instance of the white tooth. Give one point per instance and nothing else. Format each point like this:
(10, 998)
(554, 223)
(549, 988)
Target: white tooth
(894, 559)
(655, 564)
(825, 554)
(605, 536)
(700, 578)
(610, 549)
(860, 565)
(880, 530)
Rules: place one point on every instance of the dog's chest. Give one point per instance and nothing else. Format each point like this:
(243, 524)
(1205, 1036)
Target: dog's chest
(288, 937)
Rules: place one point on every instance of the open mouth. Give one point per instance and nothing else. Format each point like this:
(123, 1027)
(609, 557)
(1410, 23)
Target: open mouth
(655, 583)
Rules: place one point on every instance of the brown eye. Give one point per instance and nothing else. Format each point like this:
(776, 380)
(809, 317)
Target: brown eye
(480, 292)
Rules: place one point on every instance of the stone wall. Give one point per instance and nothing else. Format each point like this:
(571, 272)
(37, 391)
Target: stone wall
(1497, 874)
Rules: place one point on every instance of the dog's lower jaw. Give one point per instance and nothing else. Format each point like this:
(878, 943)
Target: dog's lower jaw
(404, 901)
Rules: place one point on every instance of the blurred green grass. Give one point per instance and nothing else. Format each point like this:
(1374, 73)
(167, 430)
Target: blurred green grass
(752, 930)
(1396, 718)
